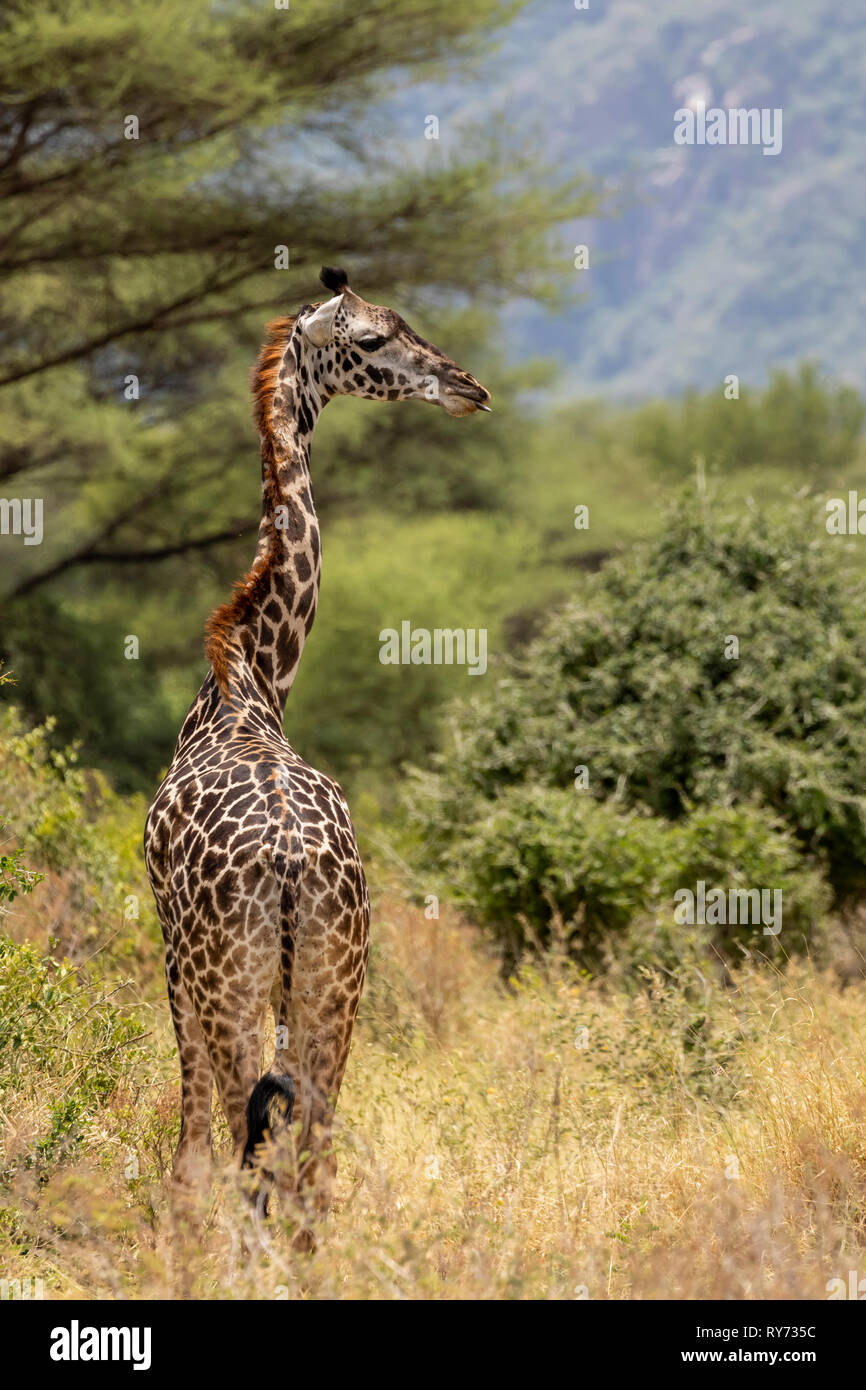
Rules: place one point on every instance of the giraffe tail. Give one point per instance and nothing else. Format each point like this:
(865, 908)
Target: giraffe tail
(273, 1086)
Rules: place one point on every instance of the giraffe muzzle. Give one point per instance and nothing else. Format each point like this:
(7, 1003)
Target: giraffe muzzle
(465, 388)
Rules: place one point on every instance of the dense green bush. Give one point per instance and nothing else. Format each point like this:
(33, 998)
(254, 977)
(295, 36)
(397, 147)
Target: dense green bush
(543, 859)
(742, 770)
(43, 795)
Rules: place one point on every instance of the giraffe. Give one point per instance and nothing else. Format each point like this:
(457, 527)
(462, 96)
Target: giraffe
(250, 852)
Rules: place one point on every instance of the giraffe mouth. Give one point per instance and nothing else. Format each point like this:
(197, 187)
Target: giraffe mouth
(476, 398)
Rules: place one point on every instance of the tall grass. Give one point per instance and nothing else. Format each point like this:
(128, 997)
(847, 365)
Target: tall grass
(551, 1137)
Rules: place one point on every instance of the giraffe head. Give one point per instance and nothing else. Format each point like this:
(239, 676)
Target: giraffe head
(358, 349)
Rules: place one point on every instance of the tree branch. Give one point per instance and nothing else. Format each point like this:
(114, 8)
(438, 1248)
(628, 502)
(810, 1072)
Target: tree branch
(142, 325)
(88, 555)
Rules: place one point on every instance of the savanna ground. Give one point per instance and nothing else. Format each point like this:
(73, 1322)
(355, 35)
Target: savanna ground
(548, 1137)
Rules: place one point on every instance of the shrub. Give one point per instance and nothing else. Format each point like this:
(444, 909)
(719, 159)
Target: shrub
(58, 1027)
(756, 759)
(15, 877)
(542, 859)
(68, 824)
(43, 797)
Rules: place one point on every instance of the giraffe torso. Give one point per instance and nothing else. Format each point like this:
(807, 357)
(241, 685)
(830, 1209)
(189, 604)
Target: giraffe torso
(238, 818)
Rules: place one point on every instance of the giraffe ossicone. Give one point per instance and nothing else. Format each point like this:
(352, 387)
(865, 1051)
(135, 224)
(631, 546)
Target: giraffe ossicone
(250, 852)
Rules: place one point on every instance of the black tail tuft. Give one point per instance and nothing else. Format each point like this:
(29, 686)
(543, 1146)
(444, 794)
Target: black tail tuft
(272, 1085)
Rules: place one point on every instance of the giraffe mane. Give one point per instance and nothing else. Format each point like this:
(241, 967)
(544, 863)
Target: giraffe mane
(265, 373)
(251, 590)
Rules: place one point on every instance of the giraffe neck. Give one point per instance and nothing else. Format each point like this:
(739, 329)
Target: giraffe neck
(255, 641)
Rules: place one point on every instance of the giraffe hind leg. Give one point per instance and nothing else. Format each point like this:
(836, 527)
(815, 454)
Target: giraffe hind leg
(323, 1025)
(271, 1106)
(193, 1159)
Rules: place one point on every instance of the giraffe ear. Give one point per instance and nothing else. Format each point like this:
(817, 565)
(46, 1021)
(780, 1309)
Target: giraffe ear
(318, 327)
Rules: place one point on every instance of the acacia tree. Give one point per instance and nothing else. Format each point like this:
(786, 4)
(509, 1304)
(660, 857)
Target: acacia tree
(154, 160)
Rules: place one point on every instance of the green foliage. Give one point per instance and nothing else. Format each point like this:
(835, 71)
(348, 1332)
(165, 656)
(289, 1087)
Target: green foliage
(43, 791)
(742, 771)
(538, 852)
(15, 877)
(541, 863)
(113, 709)
(61, 1035)
(374, 717)
(67, 823)
(54, 1023)
(799, 422)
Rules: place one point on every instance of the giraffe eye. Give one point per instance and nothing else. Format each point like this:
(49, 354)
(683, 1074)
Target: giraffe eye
(371, 344)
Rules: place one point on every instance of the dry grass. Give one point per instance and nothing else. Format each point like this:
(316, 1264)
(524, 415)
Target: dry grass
(692, 1142)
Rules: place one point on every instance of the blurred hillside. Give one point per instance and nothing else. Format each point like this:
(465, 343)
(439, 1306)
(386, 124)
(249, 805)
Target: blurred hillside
(720, 259)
